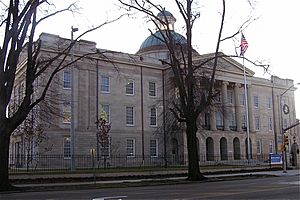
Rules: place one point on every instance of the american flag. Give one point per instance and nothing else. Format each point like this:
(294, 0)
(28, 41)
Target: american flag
(244, 45)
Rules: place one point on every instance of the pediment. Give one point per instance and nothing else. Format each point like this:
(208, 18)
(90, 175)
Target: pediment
(230, 65)
(225, 64)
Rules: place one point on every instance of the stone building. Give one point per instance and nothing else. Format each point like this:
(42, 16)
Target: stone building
(131, 90)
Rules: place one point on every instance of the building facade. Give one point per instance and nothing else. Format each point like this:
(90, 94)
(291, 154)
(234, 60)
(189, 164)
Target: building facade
(132, 91)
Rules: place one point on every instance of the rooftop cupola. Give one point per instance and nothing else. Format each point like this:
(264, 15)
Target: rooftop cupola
(166, 19)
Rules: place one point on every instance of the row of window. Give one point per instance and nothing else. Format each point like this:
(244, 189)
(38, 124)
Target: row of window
(256, 102)
(130, 117)
(105, 108)
(259, 147)
(129, 88)
(232, 121)
(105, 84)
(210, 148)
(106, 151)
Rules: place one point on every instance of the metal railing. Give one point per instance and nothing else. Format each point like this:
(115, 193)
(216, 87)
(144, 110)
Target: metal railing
(44, 163)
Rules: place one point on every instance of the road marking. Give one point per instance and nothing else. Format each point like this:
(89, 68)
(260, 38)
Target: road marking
(290, 182)
(110, 198)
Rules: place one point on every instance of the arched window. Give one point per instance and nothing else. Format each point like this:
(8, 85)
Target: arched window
(236, 149)
(174, 150)
(210, 149)
(223, 149)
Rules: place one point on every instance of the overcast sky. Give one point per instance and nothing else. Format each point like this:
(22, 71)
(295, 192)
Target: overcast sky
(272, 37)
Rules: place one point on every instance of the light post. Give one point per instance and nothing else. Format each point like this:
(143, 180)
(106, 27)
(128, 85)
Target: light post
(284, 155)
(72, 128)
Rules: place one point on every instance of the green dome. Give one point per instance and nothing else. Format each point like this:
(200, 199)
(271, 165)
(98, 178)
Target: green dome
(156, 41)
(165, 13)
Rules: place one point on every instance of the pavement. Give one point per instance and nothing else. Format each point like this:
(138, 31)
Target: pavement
(124, 180)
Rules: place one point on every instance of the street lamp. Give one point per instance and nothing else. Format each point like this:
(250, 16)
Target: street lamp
(283, 109)
(72, 128)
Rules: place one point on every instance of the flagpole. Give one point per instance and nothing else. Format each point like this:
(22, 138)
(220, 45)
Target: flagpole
(247, 111)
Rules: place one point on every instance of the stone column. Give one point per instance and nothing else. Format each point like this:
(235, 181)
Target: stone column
(238, 114)
(250, 108)
(225, 105)
(213, 125)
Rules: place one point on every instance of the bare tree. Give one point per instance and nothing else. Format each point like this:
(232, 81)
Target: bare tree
(18, 25)
(193, 80)
(33, 135)
(103, 137)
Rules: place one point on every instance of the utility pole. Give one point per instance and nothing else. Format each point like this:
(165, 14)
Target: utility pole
(72, 129)
(284, 155)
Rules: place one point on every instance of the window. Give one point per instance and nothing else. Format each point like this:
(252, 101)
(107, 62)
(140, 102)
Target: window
(242, 99)
(255, 101)
(67, 79)
(153, 117)
(130, 87)
(67, 112)
(130, 147)
(17, 149)
(207, 120)
(219, 119)
(129, 116)
(231, 120)
(152, 89)
(105, 147)
(259, 147)
(153, 148)
(244, 121)
(270, 124)
(105, 84)
(67, 147)
(230, 96)
(269, 102)
(105, 109)
(257, 123)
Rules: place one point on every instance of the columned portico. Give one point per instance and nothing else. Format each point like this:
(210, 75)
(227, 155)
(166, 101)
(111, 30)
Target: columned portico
(250, 108)
(238, 114)
(225, 105)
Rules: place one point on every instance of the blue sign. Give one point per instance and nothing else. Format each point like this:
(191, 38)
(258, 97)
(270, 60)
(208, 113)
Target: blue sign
(276, 159)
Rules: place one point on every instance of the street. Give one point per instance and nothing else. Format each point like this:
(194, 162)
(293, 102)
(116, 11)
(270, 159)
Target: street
(284, 187)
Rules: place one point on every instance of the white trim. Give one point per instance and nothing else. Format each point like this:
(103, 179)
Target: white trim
(102, 110)
(156, 148)
(66, 88)
(133, 116)
(104, 91)
(155, 89)
(133, 147)
(153, 125)
(128, 81)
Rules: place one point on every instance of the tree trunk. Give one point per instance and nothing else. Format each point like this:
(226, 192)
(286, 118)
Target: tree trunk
(4, 159)
(194, 173)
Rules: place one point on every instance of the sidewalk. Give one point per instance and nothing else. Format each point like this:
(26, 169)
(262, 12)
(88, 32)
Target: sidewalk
(294, 172)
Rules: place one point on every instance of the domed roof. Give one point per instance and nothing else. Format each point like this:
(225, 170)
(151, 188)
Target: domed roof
(155, 41)
(164, 13)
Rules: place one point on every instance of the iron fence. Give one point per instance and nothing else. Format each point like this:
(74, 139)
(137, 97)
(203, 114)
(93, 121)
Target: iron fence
(46, 163)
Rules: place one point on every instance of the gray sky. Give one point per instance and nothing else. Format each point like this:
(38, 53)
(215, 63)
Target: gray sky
(272, 38)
